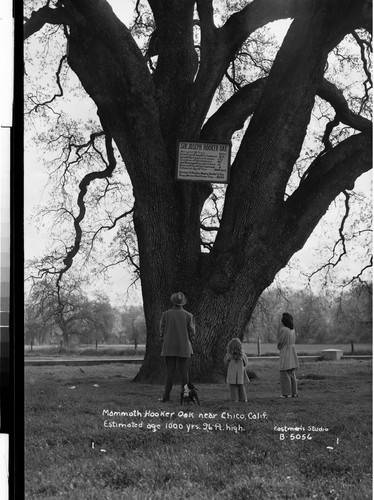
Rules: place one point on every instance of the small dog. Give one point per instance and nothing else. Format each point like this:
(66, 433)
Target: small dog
(189, 393)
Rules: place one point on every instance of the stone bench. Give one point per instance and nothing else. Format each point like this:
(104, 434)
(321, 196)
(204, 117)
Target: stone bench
(332, 354)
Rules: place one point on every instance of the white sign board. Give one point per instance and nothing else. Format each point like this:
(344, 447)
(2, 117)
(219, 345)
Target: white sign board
(203, 162)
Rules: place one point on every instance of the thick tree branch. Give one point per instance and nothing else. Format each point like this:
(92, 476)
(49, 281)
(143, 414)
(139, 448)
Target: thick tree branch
(331, 174)
(83, 188)
(45, 15)
(206, 12)
(270, 148)
(221, 46)
(156, 7)
(114, 73)
(329, 92)
(233, 113)
(209, 228)
(361, 44)
(368, 83)
(105, 58)
(207, 27)
(176, 65)
(96, 23)
(326, 136)
(37, 105)
(260, 12)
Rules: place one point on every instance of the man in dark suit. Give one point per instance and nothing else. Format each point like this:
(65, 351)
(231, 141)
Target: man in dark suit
(177, 329)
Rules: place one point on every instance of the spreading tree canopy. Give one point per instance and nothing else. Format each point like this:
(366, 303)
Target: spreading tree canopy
(150, 95)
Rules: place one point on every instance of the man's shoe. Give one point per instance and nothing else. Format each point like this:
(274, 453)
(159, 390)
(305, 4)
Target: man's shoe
(163, 400)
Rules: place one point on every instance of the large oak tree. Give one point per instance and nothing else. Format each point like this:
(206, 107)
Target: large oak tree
(145, 109)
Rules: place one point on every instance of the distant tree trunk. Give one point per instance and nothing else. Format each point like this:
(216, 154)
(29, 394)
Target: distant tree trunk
(63, 326)
(258, 347)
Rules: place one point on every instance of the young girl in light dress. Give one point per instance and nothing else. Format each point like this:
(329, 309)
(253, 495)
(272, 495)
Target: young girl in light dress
(236, 371)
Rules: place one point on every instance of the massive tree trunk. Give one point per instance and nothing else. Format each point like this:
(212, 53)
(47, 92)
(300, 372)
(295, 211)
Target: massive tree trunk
(146, 114)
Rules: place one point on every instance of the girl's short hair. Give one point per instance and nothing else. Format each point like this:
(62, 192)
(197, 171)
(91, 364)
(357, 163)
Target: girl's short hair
(287, 320)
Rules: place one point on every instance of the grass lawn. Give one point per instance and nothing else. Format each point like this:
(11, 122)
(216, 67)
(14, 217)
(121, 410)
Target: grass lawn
(98, 435)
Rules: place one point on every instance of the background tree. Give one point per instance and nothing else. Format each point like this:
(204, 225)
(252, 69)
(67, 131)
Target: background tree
(353, 313)
(147, 101)
(35, 331)
(97, 320)
(265, 320)
(133, 322)
(69, 315)
(311, 315)
(139, 331)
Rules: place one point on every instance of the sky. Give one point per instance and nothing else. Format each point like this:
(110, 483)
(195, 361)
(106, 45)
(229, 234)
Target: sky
(36, 239)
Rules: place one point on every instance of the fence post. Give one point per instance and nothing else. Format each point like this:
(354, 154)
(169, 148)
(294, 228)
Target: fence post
(259, 347)
(352, 347)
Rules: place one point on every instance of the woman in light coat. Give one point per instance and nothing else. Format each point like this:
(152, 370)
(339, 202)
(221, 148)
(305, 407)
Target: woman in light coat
(288, 361)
